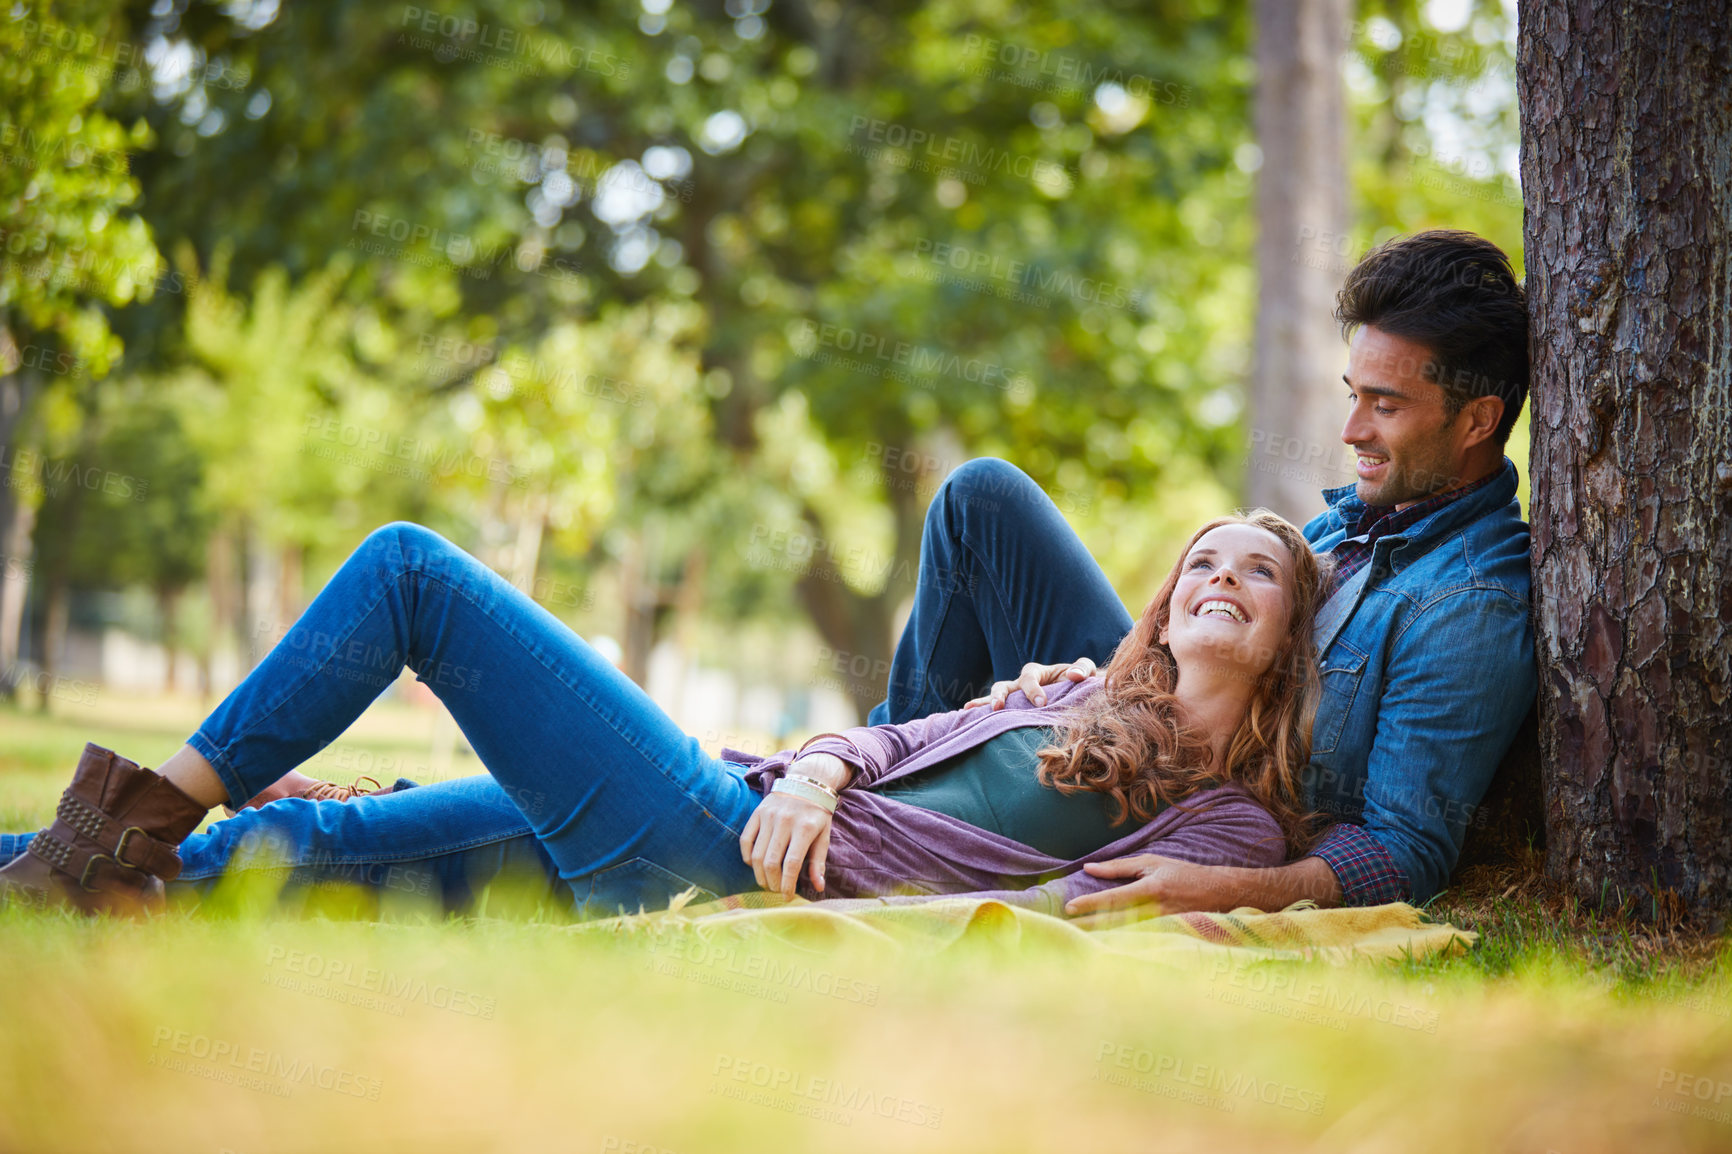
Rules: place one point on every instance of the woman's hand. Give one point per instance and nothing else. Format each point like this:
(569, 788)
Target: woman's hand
(1033, 677)
(776, 840)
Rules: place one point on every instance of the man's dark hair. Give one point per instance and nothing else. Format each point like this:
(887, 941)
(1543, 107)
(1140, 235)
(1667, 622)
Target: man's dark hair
(1456, 294)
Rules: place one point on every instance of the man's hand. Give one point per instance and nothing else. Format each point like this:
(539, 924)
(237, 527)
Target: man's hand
(1033, 677)
(1178, 887)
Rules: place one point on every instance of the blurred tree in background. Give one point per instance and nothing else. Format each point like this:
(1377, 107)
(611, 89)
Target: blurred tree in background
(674, 313)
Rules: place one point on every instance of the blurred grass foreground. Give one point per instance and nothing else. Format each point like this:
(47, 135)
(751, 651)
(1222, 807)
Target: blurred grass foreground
(242, 1027)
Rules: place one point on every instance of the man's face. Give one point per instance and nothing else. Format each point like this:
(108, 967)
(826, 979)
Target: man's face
(1408, 445)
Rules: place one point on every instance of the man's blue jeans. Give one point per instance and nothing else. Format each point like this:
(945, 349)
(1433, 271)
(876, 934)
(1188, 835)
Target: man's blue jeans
(1004, 580)
(627, 809)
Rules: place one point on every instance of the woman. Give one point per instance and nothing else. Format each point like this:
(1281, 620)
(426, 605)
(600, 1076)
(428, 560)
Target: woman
(1189, 745)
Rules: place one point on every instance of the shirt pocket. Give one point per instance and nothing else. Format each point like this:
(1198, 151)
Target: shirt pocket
(1343, 669)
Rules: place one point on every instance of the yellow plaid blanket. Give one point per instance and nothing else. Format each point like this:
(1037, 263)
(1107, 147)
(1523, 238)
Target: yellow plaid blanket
(1301, 932)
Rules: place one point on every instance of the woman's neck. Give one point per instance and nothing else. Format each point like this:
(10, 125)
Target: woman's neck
(1214, 703)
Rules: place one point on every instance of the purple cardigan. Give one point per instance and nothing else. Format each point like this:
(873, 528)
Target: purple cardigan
(880, 846)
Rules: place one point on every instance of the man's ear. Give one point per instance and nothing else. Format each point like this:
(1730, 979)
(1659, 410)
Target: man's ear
(1483, 415)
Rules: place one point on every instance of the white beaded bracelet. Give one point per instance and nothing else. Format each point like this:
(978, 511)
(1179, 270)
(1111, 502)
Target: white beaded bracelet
(805, 792)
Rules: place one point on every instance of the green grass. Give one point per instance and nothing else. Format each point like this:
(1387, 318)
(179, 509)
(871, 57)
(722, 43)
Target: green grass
(213, 1030)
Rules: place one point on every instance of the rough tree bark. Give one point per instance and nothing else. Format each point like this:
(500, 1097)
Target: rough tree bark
(1627, 176)
(1302, 223)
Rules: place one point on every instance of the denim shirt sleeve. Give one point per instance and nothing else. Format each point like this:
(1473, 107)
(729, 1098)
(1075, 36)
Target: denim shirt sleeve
(1459, 681)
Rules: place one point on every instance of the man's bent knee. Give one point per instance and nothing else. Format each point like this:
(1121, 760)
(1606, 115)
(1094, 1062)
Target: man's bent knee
(405, 543)
(989, 485)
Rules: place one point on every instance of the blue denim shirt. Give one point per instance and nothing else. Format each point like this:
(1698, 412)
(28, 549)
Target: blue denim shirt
(1428, 672)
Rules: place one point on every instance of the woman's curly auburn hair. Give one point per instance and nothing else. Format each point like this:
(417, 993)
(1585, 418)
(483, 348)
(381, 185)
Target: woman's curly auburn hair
(1127, 740)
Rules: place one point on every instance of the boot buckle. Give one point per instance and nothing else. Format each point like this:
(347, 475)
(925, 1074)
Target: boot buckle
(84, 878)
(119, 857)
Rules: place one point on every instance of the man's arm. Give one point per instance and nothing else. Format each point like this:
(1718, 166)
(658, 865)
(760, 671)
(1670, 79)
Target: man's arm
(1459, 680)
(1180, 887)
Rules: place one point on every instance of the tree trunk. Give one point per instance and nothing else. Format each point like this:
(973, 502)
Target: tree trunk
(291, 564)
(640, 585)
(17, 514)
(859, 631)
(1627, 175)
(227, 630)
(168, 613)
(1302, 253)
(15, 545)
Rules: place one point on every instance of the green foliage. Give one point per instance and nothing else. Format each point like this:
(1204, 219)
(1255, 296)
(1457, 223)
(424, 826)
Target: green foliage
(66, 245)
(1435, 122)
(680, 276)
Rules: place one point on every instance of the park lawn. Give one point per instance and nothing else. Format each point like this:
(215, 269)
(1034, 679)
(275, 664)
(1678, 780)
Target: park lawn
(242, 1028)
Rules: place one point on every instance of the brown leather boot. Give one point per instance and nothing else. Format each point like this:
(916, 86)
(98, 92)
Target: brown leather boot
(112, 844)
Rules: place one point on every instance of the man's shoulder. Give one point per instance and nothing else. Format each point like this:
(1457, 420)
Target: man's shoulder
(1488, 553)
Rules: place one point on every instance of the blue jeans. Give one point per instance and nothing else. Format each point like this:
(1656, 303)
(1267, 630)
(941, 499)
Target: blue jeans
(626, 809)
(444, 842)
(1004, 580)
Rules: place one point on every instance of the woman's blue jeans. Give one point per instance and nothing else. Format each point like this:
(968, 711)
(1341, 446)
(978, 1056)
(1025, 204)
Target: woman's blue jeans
(625, 808)
(446, 844)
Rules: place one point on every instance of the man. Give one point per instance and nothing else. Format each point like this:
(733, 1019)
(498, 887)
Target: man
(1425, 643)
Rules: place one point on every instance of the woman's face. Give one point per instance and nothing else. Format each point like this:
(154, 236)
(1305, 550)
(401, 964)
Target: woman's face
(1233, 603)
